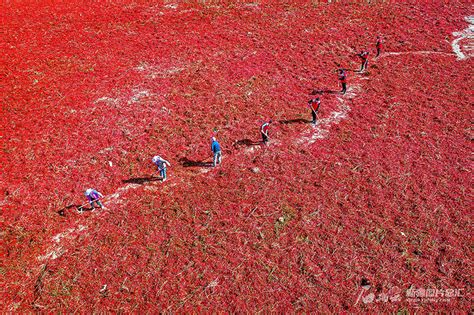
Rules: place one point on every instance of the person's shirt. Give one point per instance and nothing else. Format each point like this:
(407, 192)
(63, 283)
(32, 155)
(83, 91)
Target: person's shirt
(379, 43)
(158, 161)
(92, 194)
(215, 147)
(364, 55)
(342, 76)
(314, 104)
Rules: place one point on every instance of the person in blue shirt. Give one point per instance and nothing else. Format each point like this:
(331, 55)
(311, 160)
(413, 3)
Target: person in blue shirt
(161, 164)
(216, 149)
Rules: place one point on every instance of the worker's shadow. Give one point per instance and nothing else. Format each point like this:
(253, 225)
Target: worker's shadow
(190, 163)
(246, 142)
(141, 180)
(323, 91)
(62, 212)
(295, 121)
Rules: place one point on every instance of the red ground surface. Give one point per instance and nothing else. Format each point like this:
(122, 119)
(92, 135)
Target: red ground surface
(382, 198)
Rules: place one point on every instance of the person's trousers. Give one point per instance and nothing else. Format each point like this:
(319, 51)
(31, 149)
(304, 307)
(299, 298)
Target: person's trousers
(163, 173)
(217, 158)
(97, 201)
(313, 115)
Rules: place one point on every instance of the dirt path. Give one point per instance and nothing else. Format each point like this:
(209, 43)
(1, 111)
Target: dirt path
(463, 48)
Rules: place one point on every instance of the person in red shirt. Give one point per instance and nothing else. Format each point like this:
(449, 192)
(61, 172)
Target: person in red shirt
(264, 131)
(378, 45)
(364, 56)
(314, 104)
(342, 75)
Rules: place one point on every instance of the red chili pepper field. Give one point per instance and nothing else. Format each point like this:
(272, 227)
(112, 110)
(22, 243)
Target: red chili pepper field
(368, 211)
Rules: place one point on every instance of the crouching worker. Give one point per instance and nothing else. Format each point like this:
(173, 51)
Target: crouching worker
(342, 77)
(314, 104)
(161, 164)
(364, 57)
(264, 131)
(94, 196)
(216, 149)
(378, 45)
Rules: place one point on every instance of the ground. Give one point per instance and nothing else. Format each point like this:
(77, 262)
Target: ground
(369, 210)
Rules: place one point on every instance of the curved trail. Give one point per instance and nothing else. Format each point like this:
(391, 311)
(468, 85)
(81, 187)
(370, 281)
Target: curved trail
(321, 130)
(463, 48)
(421, 52)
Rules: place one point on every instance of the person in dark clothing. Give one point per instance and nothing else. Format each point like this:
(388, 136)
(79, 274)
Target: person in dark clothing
(364, 56)
(342, 77)
(378, 45)
(264, 131)
(314, 104)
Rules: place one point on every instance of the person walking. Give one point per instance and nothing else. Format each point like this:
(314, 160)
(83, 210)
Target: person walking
(378, 45)
(364, 56)
(264, 131)
(94, 197)
(314, 104)
(161, 164)
(216, 149)
(342, 77)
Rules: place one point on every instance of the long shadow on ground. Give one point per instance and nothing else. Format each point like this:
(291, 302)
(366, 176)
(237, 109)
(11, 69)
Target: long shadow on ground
(295, 121)
(190, 163)
(323, 91)
(141, 180)
(73, 207)
(80, 208)
(247, 142)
